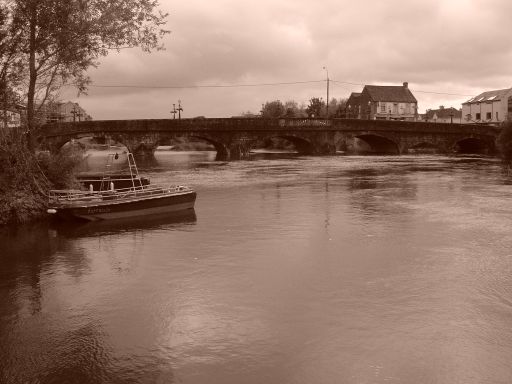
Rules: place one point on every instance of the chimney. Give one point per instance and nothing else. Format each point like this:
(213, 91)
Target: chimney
(406, 84)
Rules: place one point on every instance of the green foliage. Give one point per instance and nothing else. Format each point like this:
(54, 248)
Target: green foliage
(23, 183)
(56, 41)
(273, 109)
(505, 142)
(316, 107)
(60, 169)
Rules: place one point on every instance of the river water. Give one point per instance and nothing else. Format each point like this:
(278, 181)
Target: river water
(339, 269)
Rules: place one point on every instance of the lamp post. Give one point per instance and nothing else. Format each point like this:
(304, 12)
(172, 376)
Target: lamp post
(179, 109)
(74, 113)
(327, 104)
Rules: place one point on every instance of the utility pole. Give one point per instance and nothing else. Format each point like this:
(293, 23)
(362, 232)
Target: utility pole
(179, 109)
(174, 111)
(74, 113)
(327, 105)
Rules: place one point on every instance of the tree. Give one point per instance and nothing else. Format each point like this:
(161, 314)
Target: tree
(11, 63)
(273, 109)
(337, 107)
(292, 109)
(60, 39)
(316, 107)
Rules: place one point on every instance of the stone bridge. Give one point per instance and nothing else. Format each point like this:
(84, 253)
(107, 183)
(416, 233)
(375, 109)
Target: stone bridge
(234, 137)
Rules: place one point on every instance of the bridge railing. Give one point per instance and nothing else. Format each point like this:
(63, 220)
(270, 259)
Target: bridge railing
(256, 124)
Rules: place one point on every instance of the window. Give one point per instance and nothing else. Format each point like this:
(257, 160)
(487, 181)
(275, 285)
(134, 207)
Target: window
(497, 119)
(477, 116)
(488, 116)
(382, 107)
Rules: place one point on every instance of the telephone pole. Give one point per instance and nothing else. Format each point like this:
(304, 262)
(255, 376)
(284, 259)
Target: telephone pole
(327, 102)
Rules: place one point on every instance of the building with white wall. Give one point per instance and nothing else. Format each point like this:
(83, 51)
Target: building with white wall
(10, 116)
(385, 102)
(443, 115)
(64, 112)
(491, 107)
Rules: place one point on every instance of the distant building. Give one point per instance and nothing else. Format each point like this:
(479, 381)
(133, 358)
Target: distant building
(443, 115)
(63, 112)
(353, 106)
(10, 117)
(384, 102)
(488, 107)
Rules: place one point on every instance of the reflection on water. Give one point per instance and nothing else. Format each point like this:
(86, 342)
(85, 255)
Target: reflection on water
(162, 221)
(338, 269)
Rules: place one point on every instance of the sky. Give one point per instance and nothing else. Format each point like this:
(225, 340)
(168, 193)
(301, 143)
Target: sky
(447, 50)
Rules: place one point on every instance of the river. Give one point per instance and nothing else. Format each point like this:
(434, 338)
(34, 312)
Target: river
(341, 269)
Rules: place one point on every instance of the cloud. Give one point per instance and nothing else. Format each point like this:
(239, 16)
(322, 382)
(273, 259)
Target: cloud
(460, 46)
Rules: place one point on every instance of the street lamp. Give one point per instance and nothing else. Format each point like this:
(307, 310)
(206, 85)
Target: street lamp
(179, 109)
(74, 113)
(327, 105)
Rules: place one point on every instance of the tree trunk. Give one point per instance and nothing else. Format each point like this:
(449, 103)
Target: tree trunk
(32, 76)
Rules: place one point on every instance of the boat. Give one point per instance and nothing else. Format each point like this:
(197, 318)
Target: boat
(109, 202)
(98, 182)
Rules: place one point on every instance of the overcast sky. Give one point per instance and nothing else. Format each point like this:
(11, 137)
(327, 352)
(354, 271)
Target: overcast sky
(442, 46)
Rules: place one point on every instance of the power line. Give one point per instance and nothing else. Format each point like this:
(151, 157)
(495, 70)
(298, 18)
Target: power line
(204, 86)
(416, 90)
(138, 86)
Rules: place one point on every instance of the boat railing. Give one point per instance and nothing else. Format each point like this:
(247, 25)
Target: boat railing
(70, 196)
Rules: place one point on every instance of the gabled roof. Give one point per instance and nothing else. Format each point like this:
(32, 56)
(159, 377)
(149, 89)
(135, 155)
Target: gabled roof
(354, 98)
(398, 94)
(443, 113)
(489, 96)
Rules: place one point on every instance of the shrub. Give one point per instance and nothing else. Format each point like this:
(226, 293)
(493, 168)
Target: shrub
(23, 186)
(25, 179)
(505, 142)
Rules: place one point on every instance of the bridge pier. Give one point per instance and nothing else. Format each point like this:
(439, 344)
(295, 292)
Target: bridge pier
(239, 150)
(326, 149)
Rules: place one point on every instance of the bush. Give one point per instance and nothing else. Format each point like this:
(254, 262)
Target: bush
(60, 169)
(25, 181)
(23, 186)
(505, 142)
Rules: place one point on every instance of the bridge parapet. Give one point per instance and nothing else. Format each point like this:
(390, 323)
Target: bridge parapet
(248, 124)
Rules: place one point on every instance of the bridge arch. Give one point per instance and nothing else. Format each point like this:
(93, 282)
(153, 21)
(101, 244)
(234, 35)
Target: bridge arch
(472, 145)
(222, 149)
(302, 145)
(425, 147)
(379, 143)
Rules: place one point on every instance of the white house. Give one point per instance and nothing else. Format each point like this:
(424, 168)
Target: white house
(488, 107)
(10, 117)
(64, 111)
(443, 115)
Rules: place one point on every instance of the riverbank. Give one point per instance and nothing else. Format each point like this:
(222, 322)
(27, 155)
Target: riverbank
(26, 177)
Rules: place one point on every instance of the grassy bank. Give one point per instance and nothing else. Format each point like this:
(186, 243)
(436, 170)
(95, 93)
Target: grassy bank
(26, 177)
